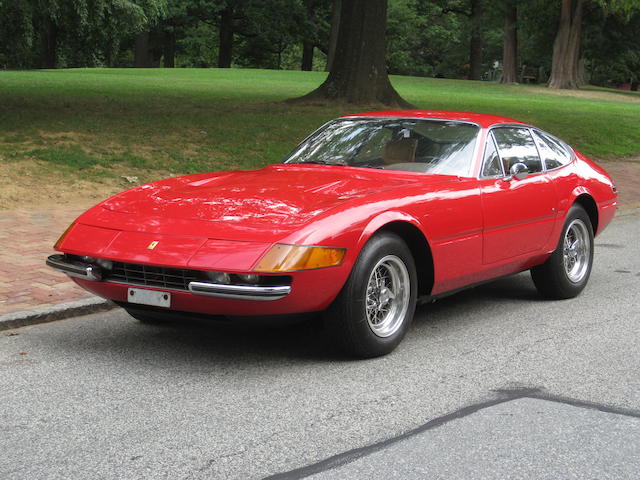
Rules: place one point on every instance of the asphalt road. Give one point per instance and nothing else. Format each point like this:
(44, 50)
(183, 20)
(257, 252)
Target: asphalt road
(489, 383)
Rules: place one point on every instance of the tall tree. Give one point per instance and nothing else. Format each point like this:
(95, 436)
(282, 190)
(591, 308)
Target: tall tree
(566, 48)
(359, 73)
(510, 43)
(474, 11)
(48, 41)
(476, 40)
(225, 34)
(568, 42)
(333, 34)
(313, 29)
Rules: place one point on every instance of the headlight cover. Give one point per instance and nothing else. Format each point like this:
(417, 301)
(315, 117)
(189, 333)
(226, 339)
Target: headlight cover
(290, 258)
(56, 246)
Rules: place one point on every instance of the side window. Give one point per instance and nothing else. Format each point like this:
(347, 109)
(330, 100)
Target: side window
(553, 153)
(492, 166)
(516, 145)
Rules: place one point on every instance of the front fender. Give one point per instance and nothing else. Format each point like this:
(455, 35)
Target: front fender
(383, 219)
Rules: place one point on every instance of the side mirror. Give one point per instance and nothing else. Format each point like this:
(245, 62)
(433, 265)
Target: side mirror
(519, 171)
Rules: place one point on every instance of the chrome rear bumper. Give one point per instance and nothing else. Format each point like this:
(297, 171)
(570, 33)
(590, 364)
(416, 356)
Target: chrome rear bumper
(94, 273)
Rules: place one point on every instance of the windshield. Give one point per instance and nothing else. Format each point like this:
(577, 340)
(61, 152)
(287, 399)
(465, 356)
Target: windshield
(415, 145)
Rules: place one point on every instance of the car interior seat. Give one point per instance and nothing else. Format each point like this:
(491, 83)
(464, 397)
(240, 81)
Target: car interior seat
(401, 150)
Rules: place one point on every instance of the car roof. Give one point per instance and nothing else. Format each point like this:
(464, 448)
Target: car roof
(483, 119)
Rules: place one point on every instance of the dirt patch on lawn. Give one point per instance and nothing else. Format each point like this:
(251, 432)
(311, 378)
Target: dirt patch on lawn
(35, 184)
(623, 96)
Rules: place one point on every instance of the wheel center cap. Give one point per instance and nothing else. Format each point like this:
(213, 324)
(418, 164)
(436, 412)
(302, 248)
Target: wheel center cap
(384, 296)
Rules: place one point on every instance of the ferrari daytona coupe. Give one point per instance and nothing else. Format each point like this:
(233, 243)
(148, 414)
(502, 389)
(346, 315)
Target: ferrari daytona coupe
(367, 215)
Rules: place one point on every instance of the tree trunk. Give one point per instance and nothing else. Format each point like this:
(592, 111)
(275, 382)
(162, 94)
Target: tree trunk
(225, 48)
(141, 53)
(510, 45)
(359, 73)
(307, 56)
(49, 44)
(566, 48)
(477, 41)
(169, 50)
(333, 35)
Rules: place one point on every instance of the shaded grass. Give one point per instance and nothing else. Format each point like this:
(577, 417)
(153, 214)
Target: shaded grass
(101, 122)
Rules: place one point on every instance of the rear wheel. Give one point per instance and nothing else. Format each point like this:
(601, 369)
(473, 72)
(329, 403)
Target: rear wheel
(373, 311)
(566, 272)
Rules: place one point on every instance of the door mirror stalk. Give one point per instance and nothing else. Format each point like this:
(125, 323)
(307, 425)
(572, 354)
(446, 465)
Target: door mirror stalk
(519, 171)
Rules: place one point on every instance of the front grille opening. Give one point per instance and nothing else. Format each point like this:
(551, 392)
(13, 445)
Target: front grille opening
(168, 278)
(151, 276)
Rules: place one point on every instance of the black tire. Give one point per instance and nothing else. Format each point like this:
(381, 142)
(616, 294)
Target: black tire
(556, 280)
(347, 321)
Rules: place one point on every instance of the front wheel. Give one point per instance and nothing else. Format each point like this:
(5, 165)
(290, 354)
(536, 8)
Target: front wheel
(373, 311)
(566, 272)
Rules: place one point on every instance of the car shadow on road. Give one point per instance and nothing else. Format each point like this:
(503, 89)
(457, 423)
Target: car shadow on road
(247, 342)
(517, 287)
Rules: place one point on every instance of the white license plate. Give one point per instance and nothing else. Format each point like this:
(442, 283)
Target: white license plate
(149, 297)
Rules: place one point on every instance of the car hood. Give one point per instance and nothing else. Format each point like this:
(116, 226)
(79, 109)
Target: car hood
(277, 195)
(241, 205)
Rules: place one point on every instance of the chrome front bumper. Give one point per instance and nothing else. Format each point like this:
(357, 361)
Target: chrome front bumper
(245, 292)
(75, 269)
(87, 271)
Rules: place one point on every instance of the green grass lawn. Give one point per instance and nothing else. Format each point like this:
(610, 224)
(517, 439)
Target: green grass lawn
(99, 123)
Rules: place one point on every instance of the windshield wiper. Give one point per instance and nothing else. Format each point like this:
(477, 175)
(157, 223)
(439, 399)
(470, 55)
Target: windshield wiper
(319, 162)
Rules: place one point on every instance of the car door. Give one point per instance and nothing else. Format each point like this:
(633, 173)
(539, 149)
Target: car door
(518, 215)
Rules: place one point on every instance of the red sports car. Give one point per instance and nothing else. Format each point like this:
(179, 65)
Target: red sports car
(365, 216)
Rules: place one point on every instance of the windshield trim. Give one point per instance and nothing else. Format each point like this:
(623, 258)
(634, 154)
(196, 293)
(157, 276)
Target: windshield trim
(476, 140)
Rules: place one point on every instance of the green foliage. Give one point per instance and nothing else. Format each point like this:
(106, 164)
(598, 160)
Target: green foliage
(612, 62)
(625, 8)
(87, 32)
(425, 37)
(424, 40)
(270, 27)
(16, 34)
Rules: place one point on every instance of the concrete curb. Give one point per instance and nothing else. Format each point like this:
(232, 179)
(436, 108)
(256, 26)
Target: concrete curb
(54, 312)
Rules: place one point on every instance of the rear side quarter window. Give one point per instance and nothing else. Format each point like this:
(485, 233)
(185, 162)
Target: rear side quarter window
(516, 145)
(554, 154)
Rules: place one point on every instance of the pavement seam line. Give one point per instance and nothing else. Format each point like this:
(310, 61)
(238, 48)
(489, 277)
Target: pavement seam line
(352, 455)
(504, 396)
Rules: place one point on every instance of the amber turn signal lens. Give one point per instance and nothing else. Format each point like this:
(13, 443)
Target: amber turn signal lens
(289, 258)
(56, 246)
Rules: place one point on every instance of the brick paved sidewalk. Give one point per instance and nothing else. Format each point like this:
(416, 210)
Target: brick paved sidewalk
(27, 237)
